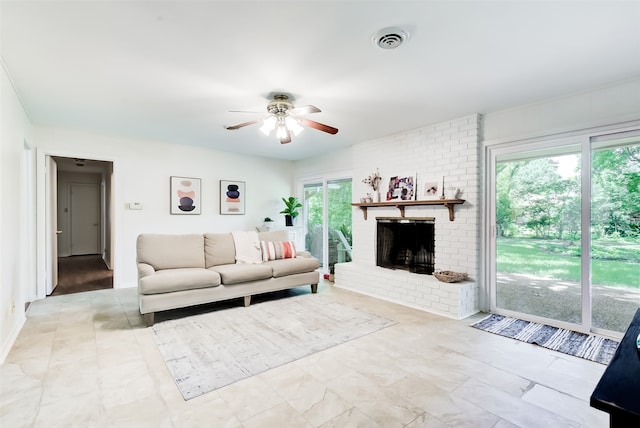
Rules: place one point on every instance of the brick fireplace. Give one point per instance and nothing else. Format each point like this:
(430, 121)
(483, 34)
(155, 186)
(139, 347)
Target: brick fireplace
(451, 150)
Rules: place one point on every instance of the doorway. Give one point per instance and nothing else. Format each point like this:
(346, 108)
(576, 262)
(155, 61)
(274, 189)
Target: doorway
(82, 225)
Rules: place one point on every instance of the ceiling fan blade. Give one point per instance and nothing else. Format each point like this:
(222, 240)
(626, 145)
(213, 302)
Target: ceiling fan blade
(303, 110)
(286, 139)
(319, 126)
(241, 125)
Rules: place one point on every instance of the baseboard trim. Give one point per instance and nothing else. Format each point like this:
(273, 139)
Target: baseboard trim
(11, 339)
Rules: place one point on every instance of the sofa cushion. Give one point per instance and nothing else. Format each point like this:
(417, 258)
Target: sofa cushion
(179, 279)
(277, 250)
(170, 251)
(236, 273)
(286, 267)
(219, 249)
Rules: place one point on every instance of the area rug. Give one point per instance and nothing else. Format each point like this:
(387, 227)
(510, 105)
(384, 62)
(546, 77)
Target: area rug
(587, 346)
(208, 351)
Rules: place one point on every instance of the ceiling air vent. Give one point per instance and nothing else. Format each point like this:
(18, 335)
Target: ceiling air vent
(390, 38)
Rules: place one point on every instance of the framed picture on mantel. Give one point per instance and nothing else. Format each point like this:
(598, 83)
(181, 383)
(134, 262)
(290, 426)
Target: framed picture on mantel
(431, 188)
(232, 197)
(401, 188)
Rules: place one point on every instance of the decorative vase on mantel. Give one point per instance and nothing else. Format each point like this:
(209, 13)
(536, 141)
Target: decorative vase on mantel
(378, 196)
(451, 192)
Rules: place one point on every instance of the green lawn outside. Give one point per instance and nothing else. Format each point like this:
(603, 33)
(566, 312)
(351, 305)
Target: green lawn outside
(560, 260)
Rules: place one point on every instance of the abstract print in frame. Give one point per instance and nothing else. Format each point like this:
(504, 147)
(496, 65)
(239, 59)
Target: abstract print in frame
(232, 197)
(185, 195)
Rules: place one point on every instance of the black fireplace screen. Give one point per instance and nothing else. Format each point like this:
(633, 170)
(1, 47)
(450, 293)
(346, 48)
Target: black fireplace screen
(407, 244)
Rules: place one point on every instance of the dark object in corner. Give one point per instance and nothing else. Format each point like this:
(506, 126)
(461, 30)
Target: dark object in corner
(618, 390)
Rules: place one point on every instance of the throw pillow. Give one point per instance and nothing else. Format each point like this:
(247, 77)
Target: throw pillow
(277, 250)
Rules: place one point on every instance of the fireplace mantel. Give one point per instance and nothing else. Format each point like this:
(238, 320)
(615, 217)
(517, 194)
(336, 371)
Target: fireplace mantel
(449, 203)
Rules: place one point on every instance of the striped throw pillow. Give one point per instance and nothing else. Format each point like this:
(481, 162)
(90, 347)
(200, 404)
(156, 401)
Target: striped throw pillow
(277, 250)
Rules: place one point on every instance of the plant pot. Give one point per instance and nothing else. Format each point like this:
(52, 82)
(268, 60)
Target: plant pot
(289, 220)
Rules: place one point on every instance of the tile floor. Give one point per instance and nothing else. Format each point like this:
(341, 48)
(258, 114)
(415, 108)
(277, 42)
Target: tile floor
(87, 360)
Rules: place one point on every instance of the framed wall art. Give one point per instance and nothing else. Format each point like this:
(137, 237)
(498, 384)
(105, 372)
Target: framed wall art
(185, 195)
(232, 197)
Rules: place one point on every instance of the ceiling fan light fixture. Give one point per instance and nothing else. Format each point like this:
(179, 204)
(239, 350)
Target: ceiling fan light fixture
(293, 125)
(268, 125)
(281, 133)
(286, 119)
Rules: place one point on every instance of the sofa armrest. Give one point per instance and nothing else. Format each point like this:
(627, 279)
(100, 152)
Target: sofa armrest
(145, 269)
(304, 254)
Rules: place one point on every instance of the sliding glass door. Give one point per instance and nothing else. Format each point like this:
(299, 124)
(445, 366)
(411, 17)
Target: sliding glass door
(615, 230)
(565, 238)
(339, 211)
(538, 270)
(327, 220)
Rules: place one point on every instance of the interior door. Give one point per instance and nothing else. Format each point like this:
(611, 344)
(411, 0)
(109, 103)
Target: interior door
(51, 202)
(85, 219)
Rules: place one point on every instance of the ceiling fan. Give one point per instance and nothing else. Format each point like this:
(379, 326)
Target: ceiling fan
(285, 118)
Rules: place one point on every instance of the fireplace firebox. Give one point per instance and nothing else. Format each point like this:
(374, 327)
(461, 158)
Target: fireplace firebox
(406, 243)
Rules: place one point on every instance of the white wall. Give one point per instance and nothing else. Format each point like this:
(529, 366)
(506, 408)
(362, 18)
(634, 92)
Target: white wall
(141, 174)
(15, 258)
(330, 164)
(602, 106)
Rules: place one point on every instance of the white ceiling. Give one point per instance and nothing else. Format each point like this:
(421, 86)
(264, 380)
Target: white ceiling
(173, 70)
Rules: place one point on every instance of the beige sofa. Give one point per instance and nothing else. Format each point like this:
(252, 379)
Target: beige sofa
(176, 271)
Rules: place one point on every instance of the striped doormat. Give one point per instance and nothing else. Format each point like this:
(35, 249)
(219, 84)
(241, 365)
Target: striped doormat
(587, 346)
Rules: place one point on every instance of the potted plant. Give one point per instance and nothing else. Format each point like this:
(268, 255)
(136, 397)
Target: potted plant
(291, 209)
(267, 223)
